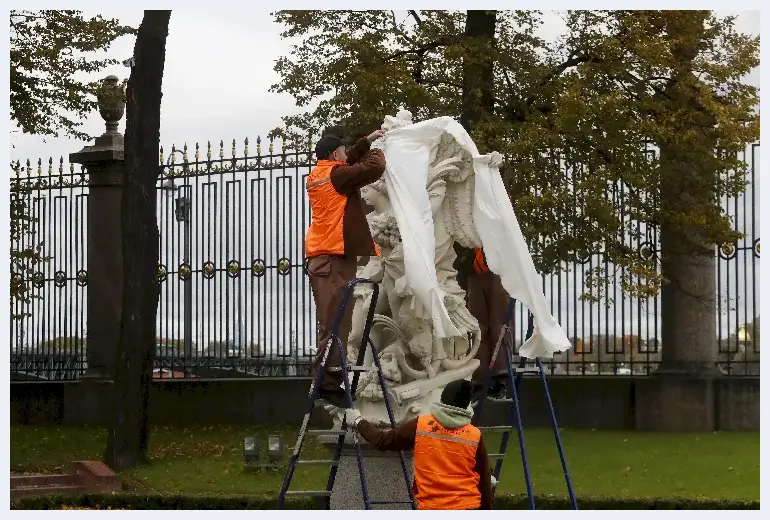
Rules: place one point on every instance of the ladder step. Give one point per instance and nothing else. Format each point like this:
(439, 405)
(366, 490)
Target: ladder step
(310, 493)
(526, 370)
(353, 368)
(326, 432)
(505, 400)
(319, 462)
(496, 428)
(496, 455)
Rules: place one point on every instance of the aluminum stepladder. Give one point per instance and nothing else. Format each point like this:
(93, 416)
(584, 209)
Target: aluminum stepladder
(514, 376)
(350, 389)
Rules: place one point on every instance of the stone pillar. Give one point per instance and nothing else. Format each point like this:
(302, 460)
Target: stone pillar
(384, 476)
(104, 163)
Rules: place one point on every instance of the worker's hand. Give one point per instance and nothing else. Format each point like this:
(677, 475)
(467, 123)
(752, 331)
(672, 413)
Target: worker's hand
(494, 482)
(352, 417)
(375, 135)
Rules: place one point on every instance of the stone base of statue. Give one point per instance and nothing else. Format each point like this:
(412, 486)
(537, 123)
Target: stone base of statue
(384, 477)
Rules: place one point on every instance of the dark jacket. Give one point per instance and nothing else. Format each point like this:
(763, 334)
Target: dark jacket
(364, 166)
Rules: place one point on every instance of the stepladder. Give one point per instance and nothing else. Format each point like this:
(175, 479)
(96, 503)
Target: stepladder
(343, 434)
(514, 374)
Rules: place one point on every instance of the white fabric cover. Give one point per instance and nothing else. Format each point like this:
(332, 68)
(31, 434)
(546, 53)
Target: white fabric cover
(407, 152)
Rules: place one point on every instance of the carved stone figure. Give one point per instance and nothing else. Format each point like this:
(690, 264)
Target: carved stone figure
(416, 364)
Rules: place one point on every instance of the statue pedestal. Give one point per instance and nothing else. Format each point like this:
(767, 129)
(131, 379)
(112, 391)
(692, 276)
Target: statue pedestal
(384, 477)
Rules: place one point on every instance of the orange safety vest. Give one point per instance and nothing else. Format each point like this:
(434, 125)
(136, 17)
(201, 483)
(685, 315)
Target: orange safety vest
(327, 207)
(444, 462)
(480, 262)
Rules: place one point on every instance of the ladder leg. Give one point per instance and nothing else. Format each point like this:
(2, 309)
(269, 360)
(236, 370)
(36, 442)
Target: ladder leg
(520, 431)
(313, 395)
(341, 437)
(349, 388)
(359, 454)
(392, 420)
(303, 428)
(365, 341)
(333, 471)
(556, 435)
(512, 418)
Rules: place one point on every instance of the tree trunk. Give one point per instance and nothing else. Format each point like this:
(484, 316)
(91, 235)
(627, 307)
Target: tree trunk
(128, 430)
(478, 74)
(688, 299)
(477, 101)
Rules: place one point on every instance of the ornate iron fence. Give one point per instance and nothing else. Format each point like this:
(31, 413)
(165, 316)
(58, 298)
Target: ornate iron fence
(235, 301)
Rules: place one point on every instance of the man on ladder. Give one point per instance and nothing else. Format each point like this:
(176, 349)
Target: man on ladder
(445, 443)
(488, 303)
(338, 234)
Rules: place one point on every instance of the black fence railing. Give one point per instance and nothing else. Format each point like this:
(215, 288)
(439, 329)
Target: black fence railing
(235, 301)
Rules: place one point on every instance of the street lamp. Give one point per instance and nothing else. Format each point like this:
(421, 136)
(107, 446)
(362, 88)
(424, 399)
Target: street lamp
(182, 213)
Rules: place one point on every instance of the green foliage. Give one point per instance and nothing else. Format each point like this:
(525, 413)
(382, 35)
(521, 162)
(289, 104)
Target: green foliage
(222, 502)
(580, 120)
(48, 50)
(24, 258)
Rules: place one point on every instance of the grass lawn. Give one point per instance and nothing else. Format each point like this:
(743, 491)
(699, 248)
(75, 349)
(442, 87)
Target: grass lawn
(611, 463)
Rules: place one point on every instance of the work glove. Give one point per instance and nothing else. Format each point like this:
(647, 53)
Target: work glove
(352, 417)
(494, 482)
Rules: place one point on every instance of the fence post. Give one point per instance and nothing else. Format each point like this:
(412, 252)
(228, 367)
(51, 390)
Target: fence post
(104, 163)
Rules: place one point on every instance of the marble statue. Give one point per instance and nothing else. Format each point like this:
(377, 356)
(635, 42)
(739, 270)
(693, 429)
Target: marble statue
(416, 364)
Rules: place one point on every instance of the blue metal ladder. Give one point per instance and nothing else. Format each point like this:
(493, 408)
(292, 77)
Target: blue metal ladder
(514, 414)
(350, 389)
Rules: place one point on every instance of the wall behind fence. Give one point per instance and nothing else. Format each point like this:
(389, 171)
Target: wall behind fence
(234, 298)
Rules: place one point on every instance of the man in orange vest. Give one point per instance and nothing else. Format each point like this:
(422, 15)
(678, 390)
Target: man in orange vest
(488, 302)
(451, 470)
(338, 234)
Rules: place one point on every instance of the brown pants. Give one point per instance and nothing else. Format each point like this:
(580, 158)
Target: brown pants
(488, 302)
(328, 276)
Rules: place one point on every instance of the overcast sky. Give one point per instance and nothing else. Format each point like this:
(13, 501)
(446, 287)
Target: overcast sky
(219, 67)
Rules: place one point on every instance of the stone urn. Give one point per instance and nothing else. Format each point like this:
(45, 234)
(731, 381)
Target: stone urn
(111, 101)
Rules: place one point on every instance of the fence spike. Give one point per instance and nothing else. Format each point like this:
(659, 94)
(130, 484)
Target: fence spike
(259, 146)
(161, 155)
(61, 165)
(270, 148)
(197, 152)
(233, 150)
(184, 153)
(50, 166)
(208, 152)
(39, 166)
(246, 147)
(172, 155)
(221, 149)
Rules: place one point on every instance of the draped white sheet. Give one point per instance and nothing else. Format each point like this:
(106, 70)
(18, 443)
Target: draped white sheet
(407, 153)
